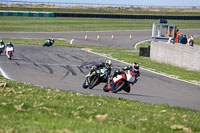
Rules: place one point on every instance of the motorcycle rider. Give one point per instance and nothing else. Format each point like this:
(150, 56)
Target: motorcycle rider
(107, 65)
(49, 42)
(9, 45)
(2, 44)
(134, 70)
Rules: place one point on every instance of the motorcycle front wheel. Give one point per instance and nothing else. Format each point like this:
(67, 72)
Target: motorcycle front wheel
(118, 86)
(95, 80)
(105, 88)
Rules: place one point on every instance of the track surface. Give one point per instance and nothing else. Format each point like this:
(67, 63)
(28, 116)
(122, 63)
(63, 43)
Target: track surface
(65, 68)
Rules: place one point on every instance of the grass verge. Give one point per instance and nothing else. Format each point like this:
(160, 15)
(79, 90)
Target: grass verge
(39, 24)
(197, 40)
(26, 108)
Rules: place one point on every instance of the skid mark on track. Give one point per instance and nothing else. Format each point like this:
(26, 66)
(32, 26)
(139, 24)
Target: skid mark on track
(29, 60)
(80, 70)
(69, 69)
(48, 68)
(38, 67)
(65, 75)
(75, 57)
(17, 63)
(62, 57)
(52, 60)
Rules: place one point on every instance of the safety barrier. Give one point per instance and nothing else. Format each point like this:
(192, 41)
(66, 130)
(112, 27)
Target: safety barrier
(127, 16)
(27, 13)
(176, 54)
(52, 14)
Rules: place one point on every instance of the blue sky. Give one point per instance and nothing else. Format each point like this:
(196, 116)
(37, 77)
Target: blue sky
(130, 2)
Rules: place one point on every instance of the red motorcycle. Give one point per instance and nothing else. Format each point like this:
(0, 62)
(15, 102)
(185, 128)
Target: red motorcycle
(120, 82)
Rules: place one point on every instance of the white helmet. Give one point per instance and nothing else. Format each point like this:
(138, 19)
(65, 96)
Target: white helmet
(136, 66)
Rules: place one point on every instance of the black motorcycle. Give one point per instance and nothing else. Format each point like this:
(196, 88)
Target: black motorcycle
(94, 78)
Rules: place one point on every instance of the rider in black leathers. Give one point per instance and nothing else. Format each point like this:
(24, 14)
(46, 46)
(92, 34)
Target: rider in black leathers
(2, 43)
(106, 65)
(9, 45)
(134, 68)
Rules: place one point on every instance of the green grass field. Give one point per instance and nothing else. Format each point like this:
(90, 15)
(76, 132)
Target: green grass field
(38, 24)
(25, 108)
(197, 40)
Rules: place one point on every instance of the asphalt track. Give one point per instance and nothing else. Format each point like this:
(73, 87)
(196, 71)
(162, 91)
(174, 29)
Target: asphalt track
(65, 68)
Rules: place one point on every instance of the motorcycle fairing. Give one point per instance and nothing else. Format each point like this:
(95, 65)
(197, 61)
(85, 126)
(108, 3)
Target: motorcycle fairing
(130, 77)
(118, 78)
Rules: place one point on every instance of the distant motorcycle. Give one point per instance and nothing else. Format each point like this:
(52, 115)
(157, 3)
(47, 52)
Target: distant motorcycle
(119, 82)
(49, 43)
(9, 52)
(94, 78)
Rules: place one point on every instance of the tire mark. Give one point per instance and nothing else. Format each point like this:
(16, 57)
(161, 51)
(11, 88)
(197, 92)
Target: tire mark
(75, 57)
(65, 75)
(30, 60)
(17, 63)
(35, 64)
(53, 60)
(48, 68)
(87, 65)
(81, 70)
(69, 69)
(62, 57)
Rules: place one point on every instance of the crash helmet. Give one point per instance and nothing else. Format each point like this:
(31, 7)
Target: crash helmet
(108, 63)
(9, 42)
(136, 66)
(1, 41)
(52, 39)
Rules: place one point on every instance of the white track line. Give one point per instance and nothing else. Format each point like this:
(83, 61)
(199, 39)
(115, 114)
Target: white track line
(4, 74)
(141, 42)
(165, 75)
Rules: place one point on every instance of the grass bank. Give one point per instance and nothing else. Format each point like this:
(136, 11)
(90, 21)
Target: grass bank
(197, 40)
(26, 108)
(39, 24)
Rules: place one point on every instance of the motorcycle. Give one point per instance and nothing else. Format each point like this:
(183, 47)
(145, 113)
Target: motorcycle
(9, 52)
(94, 78)
(2, 49)
(119, 82)
(48, 43)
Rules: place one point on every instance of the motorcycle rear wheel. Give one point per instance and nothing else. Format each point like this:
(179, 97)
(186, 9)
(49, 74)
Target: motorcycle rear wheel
(84, 85)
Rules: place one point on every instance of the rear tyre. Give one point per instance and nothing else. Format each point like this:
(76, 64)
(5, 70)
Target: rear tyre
(10, 57)
(118, 86)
